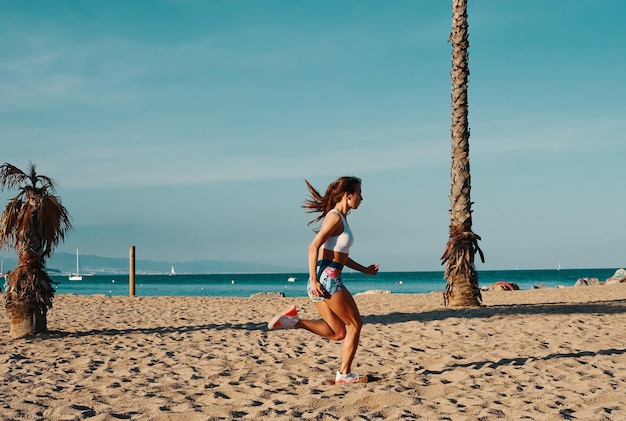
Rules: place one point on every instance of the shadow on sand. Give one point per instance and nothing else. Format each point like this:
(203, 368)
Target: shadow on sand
(599, 307)
(520, 361)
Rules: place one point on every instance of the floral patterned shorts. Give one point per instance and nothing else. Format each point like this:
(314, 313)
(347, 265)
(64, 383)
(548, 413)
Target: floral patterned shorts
(329, 275)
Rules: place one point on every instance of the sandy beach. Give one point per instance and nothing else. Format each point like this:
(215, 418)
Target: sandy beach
(546, 354)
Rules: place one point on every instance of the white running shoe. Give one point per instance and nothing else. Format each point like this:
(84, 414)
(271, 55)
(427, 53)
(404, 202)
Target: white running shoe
(346, 378)
(286, 319)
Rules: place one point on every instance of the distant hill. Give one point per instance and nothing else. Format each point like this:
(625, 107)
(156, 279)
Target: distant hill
(65, 263)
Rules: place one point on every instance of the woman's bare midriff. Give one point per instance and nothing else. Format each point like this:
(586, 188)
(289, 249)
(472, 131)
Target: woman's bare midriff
(335, 256)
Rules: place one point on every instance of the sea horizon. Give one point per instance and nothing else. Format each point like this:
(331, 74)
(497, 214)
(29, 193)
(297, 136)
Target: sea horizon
(293, 284)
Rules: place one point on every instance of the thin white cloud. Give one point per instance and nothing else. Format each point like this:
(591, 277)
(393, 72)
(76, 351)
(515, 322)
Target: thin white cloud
(133, 167)
(532, 131)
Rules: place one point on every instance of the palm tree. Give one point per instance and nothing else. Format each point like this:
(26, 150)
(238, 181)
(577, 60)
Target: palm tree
(460, 273)
(33, 223)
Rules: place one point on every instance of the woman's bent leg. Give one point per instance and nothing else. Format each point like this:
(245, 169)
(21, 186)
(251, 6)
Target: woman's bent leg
(331, 326)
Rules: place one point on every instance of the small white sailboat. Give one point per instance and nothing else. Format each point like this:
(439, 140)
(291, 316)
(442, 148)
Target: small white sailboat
(172, 271)
(5, 285)
(291, 279)
(76, 276)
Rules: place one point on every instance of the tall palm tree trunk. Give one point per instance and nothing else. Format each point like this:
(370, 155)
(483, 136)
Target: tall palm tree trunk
(460, 273)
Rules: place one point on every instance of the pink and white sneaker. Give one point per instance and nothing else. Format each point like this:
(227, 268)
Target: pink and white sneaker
(286, 319)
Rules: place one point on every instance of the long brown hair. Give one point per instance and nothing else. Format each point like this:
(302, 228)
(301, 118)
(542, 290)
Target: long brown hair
(334, 192)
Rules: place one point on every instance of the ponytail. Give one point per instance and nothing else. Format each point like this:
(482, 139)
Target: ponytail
(334, 192)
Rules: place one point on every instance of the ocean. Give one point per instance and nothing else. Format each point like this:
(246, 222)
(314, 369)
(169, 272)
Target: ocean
(245, 285)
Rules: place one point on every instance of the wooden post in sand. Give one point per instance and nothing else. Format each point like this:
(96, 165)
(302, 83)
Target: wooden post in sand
(131, 275)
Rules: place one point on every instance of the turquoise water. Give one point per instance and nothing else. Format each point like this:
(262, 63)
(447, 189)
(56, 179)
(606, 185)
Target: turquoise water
(245, 285)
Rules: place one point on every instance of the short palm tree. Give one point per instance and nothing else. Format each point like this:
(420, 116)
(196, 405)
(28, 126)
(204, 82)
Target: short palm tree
(460, 273)
(33, 223)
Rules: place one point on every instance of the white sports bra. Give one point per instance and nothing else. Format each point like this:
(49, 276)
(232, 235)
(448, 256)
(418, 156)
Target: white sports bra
(343, 241)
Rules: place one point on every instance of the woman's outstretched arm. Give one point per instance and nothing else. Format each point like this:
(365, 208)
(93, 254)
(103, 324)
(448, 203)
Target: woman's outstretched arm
(369, 270)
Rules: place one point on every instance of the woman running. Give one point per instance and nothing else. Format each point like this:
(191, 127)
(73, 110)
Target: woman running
(328, 253)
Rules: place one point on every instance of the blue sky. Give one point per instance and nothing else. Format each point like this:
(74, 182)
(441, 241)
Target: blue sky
(187, 128)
